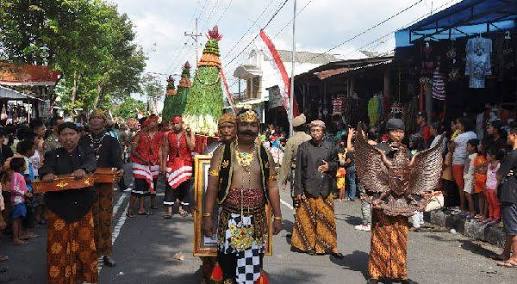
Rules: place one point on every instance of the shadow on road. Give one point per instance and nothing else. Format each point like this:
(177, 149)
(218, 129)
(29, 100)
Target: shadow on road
(293, 276)
(356, 261)
(471, 246)
(352, 220)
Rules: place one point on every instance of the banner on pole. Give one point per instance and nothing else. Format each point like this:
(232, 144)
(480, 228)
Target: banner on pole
(285, 90)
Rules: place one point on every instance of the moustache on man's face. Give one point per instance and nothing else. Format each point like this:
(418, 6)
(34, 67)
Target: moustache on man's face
(247, 132)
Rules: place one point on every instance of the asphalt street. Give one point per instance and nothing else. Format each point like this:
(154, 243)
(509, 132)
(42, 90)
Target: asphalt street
(149, 249)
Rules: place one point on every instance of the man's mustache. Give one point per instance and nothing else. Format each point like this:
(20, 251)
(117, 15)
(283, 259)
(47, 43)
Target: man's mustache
(247, 132)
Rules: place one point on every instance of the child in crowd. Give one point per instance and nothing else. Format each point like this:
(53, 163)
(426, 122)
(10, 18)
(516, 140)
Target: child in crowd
(19, 191)
(2, 221)
(480, 167)
(468, 175)
(26, 149)
(494, 156)
(448, 183)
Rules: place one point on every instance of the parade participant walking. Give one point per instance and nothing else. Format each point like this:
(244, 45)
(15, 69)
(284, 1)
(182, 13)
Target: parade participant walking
(397, 186)
(177, 162)
(314, 229)
(242, 179)
(227, 133)
(291, 148)
(144, 157)
(71, 253)
(108, 153)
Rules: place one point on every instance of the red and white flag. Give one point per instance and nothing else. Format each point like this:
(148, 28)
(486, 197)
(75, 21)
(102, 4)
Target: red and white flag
(285, 88)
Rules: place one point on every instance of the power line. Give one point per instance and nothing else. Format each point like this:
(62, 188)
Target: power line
(290, 21)
(368, 30)
(264, 27)
(443, 6)
(249, 29)
(224, 12)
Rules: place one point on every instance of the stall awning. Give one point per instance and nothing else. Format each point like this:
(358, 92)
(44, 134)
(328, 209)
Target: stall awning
(10, 94)
(27, 75)
(466, 18)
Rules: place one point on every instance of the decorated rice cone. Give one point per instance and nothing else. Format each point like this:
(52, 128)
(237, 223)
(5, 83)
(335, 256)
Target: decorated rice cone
(175, 104)
(205, 101)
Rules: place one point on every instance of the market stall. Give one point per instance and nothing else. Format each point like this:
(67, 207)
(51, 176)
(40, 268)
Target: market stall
(459, 59)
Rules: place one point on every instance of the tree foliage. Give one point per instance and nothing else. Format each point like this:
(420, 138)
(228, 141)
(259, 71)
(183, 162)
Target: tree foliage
(129, 108)
(87, 40)
(152, 88)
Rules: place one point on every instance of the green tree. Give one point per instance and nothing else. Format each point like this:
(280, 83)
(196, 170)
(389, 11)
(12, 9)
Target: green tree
(175, 104)
(152, 88)
(128, 108)
(87, 40)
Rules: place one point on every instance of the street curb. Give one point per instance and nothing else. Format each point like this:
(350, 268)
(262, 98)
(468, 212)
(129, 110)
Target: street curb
(488, 233)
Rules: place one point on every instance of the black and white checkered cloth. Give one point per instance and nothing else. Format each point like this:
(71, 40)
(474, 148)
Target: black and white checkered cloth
(248, 265)
(248, 261)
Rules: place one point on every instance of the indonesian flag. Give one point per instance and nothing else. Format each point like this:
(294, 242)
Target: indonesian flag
(178, 173)
(285, 87)
(227, 90)
(144, 172)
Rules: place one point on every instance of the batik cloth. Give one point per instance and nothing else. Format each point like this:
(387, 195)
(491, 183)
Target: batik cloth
(102, 217)
(315, 225)
(388, 249)
(245, 248)
(71, 254)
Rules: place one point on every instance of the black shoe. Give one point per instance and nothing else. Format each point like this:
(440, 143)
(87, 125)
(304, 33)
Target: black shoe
(108, 261)
(408, 281)
(372, 281)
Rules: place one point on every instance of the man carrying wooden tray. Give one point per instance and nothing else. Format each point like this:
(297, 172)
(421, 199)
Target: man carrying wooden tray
(71, 252)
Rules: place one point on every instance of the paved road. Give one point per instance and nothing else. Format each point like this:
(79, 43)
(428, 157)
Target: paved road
(146, 248)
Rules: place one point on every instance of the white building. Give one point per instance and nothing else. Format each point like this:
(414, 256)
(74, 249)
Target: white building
(259, 75)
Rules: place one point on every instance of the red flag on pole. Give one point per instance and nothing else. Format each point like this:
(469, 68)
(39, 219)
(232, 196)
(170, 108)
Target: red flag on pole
(283, 73)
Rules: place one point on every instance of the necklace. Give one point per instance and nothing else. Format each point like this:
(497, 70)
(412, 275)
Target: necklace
(244, 158)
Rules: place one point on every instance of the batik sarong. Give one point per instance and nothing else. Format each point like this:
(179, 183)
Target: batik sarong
(315, 225)
(71, 254)
(102, 217)
(388, 250)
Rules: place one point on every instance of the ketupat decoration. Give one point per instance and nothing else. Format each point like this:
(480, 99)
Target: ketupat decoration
(175, 104)
(205, 101)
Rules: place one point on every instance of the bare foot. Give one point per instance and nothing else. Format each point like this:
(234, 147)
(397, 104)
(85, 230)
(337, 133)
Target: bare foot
(19, 242)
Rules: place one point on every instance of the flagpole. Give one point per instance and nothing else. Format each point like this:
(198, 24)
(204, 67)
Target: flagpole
(291, 95)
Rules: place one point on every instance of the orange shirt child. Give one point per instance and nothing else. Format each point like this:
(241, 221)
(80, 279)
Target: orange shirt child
(480, 167)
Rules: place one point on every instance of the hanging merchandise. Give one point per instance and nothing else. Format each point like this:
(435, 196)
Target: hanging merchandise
(337, 105)
(438, 89)
(478, 64)
(373, 110)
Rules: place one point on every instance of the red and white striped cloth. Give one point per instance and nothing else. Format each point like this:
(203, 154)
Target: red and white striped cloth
(147, 173)
(179, 175)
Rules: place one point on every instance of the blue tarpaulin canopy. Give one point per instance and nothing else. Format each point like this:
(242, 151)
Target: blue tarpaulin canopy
(466, 18)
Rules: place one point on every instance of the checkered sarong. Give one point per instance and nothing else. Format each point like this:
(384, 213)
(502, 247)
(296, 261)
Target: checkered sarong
(248, 261)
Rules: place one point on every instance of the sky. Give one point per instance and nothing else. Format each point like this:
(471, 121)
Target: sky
(323, 24)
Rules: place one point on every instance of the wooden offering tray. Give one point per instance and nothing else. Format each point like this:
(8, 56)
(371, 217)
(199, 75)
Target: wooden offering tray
(63, 183)
(106, 175)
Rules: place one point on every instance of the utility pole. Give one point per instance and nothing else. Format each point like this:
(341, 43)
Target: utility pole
(195, 35)
(293, 60)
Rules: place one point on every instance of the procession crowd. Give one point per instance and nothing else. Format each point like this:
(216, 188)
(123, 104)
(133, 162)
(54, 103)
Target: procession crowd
(248, 168)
